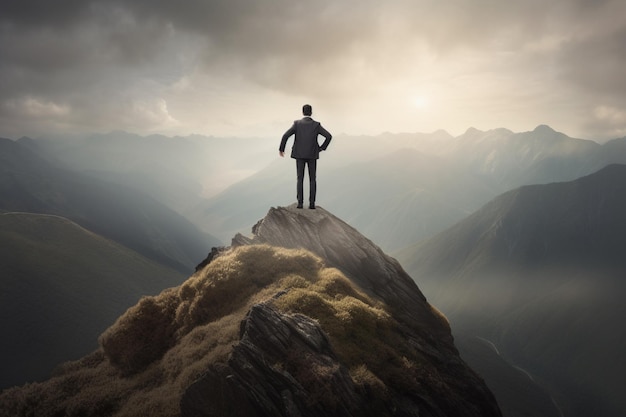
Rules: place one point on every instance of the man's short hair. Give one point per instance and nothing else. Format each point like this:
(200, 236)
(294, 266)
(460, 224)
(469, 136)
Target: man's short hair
(307, 110)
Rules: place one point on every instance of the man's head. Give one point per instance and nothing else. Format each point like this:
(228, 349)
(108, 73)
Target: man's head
(307, 110)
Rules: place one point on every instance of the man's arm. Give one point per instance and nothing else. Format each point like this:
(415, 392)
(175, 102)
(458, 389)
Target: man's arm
(283, 142)
(328, 137)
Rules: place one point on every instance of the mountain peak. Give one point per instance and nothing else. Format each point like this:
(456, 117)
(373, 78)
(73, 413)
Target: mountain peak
(345, 248)
(544, 129)
(386, 287)
(471, 131)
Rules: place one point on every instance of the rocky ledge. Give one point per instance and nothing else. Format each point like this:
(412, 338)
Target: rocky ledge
(269, 372)
(343, 247)
(283, 366)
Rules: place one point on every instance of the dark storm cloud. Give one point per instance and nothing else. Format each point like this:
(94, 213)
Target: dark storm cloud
(79, 63)
(292, 31)
(40, 13)
(50, 49)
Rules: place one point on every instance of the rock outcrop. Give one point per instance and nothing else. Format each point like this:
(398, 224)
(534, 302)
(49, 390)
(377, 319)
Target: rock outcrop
(259, 376)
(343, 247)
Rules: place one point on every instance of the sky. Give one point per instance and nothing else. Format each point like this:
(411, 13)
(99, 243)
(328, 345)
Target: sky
(245, 68)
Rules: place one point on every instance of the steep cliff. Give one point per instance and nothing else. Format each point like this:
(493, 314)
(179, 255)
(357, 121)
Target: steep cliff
(305, 318)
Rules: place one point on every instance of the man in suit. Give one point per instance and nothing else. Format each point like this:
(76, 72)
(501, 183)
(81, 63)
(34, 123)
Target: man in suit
(306, 151)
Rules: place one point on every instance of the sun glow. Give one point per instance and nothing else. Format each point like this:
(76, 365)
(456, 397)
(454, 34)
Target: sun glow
(419, 102)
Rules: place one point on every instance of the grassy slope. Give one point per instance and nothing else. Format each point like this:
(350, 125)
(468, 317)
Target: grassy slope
(164, 343)
(60, 287)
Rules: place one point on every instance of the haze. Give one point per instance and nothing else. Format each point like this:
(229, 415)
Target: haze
(243, 68)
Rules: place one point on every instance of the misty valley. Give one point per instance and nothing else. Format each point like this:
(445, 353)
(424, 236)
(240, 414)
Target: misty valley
(487, 268)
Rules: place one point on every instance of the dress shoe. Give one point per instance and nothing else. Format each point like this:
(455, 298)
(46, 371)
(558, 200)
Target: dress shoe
(312, 206)
(299, 205)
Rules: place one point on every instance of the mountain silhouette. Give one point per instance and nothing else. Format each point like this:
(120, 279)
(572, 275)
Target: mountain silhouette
(539, 271)
(176, 171)
(423, 182)
(305, 317)
(510, 159)
(62, 286)
(30, 182)
(382, 196)
(401, 189)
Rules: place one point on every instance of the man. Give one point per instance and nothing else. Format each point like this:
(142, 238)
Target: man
(306, 151)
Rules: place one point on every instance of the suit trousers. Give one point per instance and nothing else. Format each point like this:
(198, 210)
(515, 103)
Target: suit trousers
(312, 164)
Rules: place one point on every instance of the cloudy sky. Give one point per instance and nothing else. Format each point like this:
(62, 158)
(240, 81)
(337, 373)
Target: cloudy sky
(245, 67)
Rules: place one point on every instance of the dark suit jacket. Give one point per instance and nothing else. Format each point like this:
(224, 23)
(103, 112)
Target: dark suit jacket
(305, 145)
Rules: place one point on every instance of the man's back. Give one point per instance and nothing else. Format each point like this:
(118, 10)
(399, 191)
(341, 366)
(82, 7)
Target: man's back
(305, 145)
(306, 131)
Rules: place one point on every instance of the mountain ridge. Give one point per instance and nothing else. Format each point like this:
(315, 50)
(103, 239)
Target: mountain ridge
(539, 271)
(340, 244)
(31, 183)
(596, 195)
(357, 170)
(499, 159)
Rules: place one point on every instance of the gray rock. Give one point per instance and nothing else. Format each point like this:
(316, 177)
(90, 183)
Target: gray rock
(343, 247)
(270, 371)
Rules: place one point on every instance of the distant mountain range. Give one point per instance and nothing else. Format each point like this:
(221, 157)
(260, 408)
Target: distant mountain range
(396, 188)
(32, 182)
(539, 271)
(77, 251)
(401, 189)
(176, 171)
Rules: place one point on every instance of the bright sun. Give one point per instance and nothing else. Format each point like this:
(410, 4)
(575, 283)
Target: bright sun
(420, 102)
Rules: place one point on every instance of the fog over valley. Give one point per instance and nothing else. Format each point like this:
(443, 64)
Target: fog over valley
(176, 197)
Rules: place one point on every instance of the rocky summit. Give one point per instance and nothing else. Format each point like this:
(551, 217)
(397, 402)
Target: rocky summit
(305, 317)
(367, 266)
(381, 277)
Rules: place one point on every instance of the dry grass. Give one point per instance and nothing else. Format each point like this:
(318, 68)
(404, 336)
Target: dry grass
(161, 345)
(365, 337)
(371, 384)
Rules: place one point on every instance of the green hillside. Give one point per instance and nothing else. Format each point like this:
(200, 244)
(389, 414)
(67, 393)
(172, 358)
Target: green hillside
(60, 287)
